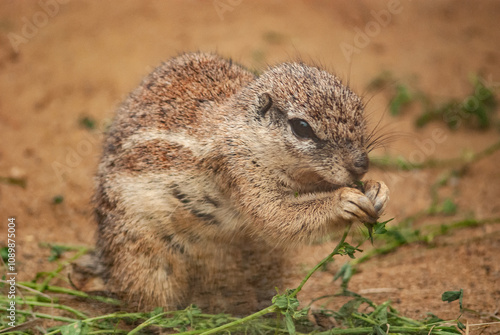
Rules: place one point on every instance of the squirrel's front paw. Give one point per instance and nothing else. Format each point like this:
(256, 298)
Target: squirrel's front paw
(356, 206)
(378, 193)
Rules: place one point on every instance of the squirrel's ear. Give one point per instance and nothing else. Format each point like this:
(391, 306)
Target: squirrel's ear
(265, 103)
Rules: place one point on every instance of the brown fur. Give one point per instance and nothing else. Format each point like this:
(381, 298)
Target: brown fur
(201, 187)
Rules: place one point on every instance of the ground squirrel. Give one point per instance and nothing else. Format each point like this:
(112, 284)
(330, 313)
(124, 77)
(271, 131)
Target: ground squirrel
(209, 173)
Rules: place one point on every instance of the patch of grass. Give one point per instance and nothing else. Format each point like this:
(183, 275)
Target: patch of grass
(88, 122)
(363, 316)
(402, 98)
(403, 234)
(58, 199)
(476, 110)
(39, 300)
(358, 316)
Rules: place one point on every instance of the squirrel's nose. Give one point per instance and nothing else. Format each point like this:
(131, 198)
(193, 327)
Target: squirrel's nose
(360, 165)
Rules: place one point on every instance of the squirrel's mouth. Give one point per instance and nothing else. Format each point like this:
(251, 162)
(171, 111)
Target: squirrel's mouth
(312, 182)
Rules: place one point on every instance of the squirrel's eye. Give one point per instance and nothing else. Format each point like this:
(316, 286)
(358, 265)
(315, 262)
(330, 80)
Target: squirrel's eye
(302, 129)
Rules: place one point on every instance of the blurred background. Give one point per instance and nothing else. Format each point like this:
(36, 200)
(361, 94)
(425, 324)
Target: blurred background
(428, 71)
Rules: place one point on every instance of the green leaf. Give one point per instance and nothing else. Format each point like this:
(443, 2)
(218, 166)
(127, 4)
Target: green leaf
(77, 328)
(401, 98)
(378, 330)
(432, 318)
(380, 313)
(449, 207)
(350, 307)
(346, 273)
(360, 184)
(281, 301)
(398, 236)
(379, 227)
(290, 325)
(460, 325)
(349, 250)
(288, 306)
(301, 313)
(56, 252)
(370, 231)
(156, 311)
(450, 296)
(57, 199)
(4, 252)
(88, 122)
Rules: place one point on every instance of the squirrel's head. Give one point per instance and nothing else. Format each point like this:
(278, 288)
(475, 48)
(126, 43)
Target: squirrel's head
(309, 126)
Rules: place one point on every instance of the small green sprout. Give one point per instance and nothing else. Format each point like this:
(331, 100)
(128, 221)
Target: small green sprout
(377, 228)
(402, 98)
(56, 251)
(57, 199)
(450, 296)
(88, 123)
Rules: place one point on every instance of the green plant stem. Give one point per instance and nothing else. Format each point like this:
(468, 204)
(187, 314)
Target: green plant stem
(58, 289)
(393, 329)
(62, 265)
(43, 316)
(324, 261)
(20, 301)
(385, 249)
(146, 323)
(267, 310)
(362, 318)
(488, 151)
(120, 315)
(414, 327)
(277, 330)
(65, 246)
(272, 309)
(70, 320)
(405, 319)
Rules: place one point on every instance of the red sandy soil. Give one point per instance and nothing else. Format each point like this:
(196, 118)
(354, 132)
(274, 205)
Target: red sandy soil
(83, 57)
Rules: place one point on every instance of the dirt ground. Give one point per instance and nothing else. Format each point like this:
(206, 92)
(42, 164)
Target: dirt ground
(63, 61)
